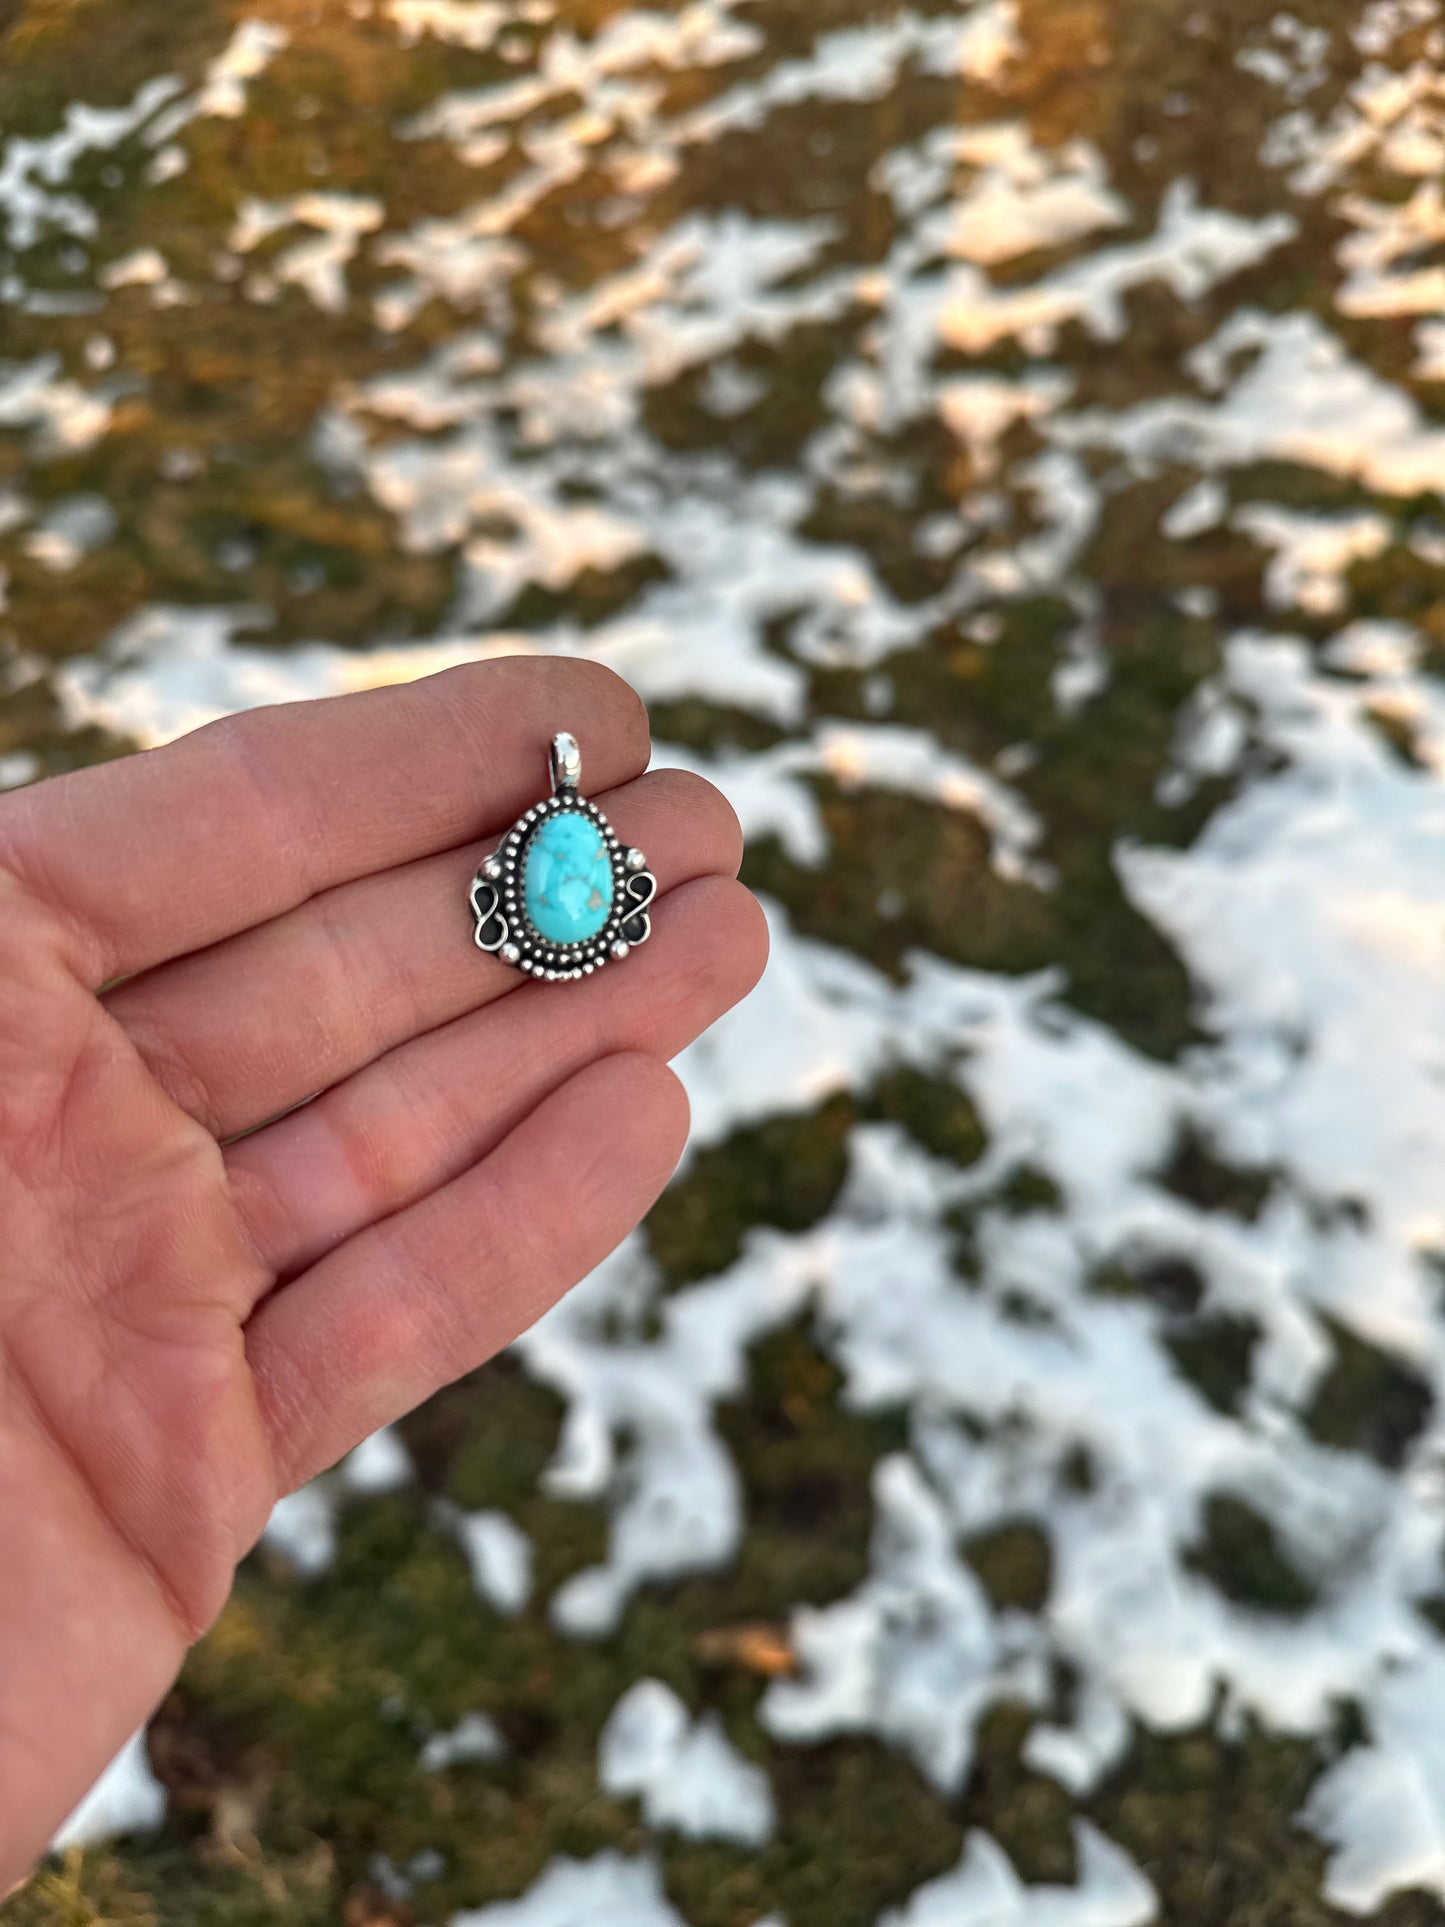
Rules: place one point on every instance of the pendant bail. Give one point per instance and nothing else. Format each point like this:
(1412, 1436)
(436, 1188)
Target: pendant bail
(565, 762)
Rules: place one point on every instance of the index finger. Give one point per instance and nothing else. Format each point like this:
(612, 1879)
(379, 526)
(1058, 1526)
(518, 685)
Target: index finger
(162, 853)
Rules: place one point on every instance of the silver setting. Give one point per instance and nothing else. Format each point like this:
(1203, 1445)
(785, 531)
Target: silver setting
(498, 901)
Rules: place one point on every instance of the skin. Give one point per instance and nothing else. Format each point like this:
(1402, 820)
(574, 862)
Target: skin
(204, 1302)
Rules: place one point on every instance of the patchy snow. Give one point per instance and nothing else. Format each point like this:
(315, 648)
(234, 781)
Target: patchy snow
(687, 1774)
(1313, 554)
(500, 1556)
(915, 1656)
(127, 1798)
(303, 1526)
(337, 224)
(302, 1529)
(1382, 1807)
(379, 1464)
(246, 56)
(64, 418)
(1300, 397)
(170, 669)
(771, 795)
(71, 529)
(1311, 912)
(473, 24)
(474, 1738)
(1307, 911)
(34, 172)
(984, 1891)
(609, 1890)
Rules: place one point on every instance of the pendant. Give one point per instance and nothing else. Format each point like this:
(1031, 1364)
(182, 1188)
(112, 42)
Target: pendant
(561, 896)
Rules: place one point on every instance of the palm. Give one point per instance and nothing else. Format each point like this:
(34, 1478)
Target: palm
(200, 1308)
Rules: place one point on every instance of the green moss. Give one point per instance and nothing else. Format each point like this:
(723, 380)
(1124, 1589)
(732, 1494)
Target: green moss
(1169, 1282)
(290, 1748)
(806, 1464)
(1215, 1355)
(1196, 1173)
(1030, 1816)
(1369, 1401)
(786, 1173)
(905, 876)
(1015, 1564)
(1214, 1827)
(1241, 1554)
(934, 1111)
(1027, 1189)
(53, 52)
(590, 599)
(485, 1444)
(899, 1833)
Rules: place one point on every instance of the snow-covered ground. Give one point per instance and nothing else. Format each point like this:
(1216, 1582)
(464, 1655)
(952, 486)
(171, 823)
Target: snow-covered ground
(988, 305)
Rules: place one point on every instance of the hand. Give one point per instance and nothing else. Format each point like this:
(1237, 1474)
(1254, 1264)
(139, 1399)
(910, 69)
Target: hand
(200, 1309)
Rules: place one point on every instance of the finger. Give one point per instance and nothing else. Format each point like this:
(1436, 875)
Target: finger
(427, 1295)
(241, 1032)
(159, 854)
(416, 1118)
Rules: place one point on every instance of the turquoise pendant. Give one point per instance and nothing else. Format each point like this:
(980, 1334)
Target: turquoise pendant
(562, 896)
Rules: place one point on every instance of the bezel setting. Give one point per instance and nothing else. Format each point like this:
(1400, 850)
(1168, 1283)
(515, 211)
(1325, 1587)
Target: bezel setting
(498, 900)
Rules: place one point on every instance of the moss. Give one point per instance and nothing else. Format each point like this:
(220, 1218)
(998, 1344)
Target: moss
(590, 599)
(82, 1889)
(231, 389)
(1027, 1189)
(927, 871)
(936, 1114)
(1015, 1565)
(1171, 1283)
(55, 51)
(485, 1444)
(1029, 1816)
(1215, 1356)
(1369, 1401)
(1197, 1174)
(1240, 1553)
(806, 1465)
(712, 728)
(899, 1833)
(290, 1747)
(785, 1173)
(1398, 734)
(1094, 778)
(790, 376)
(1214, 1827)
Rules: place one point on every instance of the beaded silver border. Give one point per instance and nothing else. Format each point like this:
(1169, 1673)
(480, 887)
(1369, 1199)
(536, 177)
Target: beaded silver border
(503, 928)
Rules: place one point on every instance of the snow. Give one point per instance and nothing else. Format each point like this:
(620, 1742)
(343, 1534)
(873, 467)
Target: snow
(687, 1774)
(1306, 911)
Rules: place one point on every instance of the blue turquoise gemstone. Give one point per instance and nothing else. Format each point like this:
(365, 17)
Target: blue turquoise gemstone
(567, 878)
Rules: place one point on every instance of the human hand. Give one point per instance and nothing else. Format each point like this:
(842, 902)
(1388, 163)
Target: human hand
(194, 1321)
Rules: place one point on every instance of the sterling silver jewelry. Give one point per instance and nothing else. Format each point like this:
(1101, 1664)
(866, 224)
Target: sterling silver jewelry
(560, 897)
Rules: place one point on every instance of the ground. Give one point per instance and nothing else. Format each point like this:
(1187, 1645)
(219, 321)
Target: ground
(861, 381)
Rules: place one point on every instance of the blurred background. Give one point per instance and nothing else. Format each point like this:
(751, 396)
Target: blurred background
(1004, 441)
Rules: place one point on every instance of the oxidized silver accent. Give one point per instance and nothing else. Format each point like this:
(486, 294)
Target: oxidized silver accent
(498, 900)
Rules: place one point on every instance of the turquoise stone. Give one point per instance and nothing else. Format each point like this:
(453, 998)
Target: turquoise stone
(567, 878)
